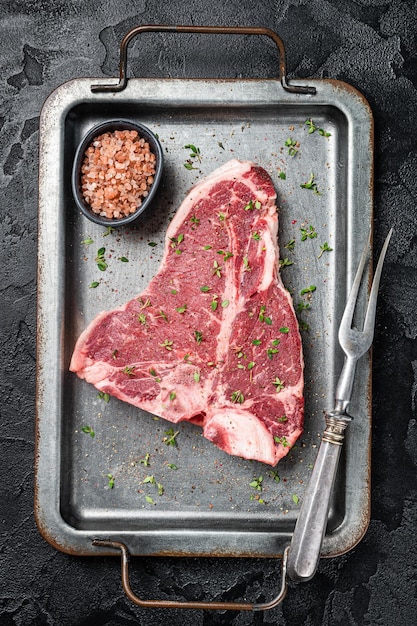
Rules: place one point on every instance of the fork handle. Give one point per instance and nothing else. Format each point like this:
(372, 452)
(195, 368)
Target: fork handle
(304, 552)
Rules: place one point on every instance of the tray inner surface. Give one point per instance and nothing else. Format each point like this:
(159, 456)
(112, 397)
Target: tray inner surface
(209, 490)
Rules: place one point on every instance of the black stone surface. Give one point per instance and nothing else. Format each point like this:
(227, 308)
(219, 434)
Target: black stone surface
(371, 44)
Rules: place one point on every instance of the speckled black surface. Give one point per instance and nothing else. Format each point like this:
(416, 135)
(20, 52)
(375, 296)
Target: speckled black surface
(371, 44)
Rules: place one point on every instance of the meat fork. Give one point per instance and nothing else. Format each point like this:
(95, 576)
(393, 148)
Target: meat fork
(304, 551)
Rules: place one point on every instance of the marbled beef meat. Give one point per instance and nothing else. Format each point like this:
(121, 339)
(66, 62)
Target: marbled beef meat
(213, 339)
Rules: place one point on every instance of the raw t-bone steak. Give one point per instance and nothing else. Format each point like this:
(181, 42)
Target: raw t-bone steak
(213, 339)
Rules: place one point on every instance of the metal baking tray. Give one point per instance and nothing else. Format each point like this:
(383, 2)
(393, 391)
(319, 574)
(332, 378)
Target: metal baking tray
(90, 488)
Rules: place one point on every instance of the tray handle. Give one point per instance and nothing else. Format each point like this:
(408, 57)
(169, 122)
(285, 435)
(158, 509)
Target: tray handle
(219, 30)
(174, 604)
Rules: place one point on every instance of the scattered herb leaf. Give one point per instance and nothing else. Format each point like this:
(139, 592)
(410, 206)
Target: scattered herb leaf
(311, 184)
(103, 396)
(145, 460)
(237, 397)
(171, 437)
(292, 145)
(88, 431)
(308, 290)
(325, 248)
(279, 385)
(100, 260)
(167, 344)
(309, 233)
(257, 483)
(282, 440)
(312, 128)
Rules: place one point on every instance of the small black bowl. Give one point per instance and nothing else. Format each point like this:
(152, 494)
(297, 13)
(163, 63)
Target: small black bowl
(110, 126)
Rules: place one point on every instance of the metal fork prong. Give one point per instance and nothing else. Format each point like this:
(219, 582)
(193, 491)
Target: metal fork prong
(346, 321)
(369, 323)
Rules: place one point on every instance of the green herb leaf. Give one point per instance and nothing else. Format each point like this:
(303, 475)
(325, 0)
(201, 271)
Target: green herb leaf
(198, 336)
(94, 284)
(172, 466)
(282, 440)
(88, 431)
(274, 474)
(103, 396)
(256, 342)
(87, 241)
(284, 329)
(257, 483)
(325, 248)
(311, 184)
(171, 437)
(195, 152)
(225, 303)
(308, 290)
(237, 397)
(181, 309)
(152, 244)
(309, 233)
(149, 500)
(145, 460)
(100, 260)
(197, 377)
(279, 385)
(110, 484)
(312, 128)
(123, 259)
(295, 498)
(205, 289)
(293, 146)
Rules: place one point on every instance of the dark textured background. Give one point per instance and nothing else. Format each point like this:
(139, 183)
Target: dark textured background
(368, 43)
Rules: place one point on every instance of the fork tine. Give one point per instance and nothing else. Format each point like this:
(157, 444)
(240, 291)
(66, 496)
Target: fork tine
(346, 321)
(369, 323)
